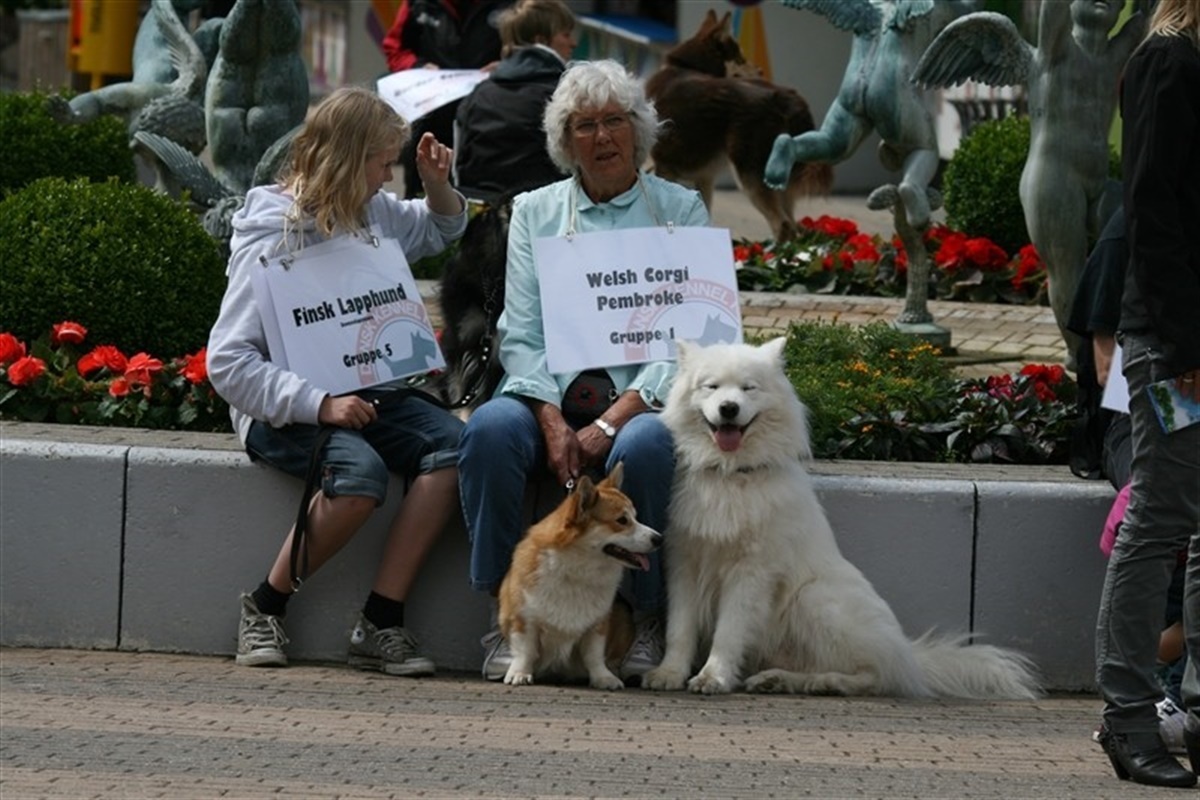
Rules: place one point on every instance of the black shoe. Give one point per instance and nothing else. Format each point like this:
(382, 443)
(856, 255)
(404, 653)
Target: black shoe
(1144, 759)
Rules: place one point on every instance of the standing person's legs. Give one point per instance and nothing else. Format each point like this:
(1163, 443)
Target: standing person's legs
(1160, 519)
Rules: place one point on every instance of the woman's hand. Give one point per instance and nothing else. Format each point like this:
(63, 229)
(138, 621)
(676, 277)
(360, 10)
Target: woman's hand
(563, 456)
(434, 160)
(594, 445)
(350, 411)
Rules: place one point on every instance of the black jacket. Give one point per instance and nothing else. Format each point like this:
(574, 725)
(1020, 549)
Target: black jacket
(1161, 159)
(501, 147)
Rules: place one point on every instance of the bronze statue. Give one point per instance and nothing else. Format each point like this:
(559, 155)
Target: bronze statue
(1070, 78)
(166, 93)
(876, 94)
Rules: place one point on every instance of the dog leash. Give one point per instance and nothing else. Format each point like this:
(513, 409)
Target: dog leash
(298, 562)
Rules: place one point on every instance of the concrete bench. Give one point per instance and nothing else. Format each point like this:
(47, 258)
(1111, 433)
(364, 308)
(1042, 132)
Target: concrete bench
(133, 540)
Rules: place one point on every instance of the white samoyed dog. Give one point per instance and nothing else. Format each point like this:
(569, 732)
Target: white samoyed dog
(754, 573)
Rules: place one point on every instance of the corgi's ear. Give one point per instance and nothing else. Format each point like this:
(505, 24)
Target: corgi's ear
(774, 349)
(710, 19)
(615, 477)
(725, 21)
(583, 498)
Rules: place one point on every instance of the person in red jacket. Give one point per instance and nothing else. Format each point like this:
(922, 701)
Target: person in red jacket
(441, 34)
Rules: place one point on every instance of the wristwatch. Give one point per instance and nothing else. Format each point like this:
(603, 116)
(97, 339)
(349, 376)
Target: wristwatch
(609, 430)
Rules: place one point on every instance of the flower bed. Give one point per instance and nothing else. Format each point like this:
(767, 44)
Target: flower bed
(832, 256)
(54, 381)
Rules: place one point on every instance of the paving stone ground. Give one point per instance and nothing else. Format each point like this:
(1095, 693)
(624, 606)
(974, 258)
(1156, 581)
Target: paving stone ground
(86, 724)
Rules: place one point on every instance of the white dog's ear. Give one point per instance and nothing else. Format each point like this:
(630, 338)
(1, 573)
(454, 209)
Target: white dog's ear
(684, 350)
(774, 349)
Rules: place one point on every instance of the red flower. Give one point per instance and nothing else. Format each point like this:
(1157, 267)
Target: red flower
(195, 367)
(741, 253)
(104, 356)
(1051, 374)
(141, 369)
(119, 387)
(830, 226)
(999, 386)
(952, 254)
(25, 370)
(862, 248)
(67, 333)
(1044, 392)
(1029, 264)
(11, 348)
(901, 256)
(985, 254)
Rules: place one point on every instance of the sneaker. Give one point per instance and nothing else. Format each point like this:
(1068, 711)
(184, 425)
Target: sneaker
(497, 655)
(393, 651)
(647, 649)
(1170, 725)
(260, 637)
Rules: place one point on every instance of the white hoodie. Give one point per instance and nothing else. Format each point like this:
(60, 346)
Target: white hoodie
(238, 362)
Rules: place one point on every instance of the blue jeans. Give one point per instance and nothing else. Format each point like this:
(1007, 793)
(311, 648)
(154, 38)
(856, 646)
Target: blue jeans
(1163, 517)
(411, 437)
(502, 450)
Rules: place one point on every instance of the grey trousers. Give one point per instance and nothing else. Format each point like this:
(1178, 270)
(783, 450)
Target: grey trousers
(1162, 518)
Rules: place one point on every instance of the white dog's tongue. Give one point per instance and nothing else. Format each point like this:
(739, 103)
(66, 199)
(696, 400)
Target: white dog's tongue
(728, 438)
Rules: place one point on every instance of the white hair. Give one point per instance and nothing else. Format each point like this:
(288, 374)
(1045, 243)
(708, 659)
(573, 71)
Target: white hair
(593, 84)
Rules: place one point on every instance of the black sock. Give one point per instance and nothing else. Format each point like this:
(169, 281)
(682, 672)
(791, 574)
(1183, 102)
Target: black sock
(270, 600)
(383, 613)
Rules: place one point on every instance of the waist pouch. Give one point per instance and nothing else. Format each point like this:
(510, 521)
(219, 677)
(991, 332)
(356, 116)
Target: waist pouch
(589, 395)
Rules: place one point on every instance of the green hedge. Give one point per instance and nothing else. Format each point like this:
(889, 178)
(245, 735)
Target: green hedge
(132, 265)
(36, 146)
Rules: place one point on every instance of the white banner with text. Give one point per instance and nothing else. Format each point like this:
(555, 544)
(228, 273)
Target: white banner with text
(623, 297)
(416, 92)
(346, 314)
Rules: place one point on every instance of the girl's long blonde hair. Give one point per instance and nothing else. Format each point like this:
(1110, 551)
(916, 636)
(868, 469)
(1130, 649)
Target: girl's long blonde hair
(326, 173)
(1176, 18)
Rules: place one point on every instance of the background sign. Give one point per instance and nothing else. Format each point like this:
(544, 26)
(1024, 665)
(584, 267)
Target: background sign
(416, 92)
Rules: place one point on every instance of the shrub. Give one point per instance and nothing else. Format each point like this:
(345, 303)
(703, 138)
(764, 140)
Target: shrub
(135, 266)
(982, 183)
(841, 371)
(35, 146)
(876, 394)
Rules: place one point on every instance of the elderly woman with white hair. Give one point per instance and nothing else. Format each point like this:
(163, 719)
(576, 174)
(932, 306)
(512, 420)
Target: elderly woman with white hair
(599, 129)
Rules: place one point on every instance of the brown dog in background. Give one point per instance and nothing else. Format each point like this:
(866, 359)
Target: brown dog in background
(717, 111)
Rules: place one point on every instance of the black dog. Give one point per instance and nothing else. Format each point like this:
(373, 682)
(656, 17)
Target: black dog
(472, 297)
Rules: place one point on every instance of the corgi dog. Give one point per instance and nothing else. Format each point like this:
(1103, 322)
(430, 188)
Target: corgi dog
(716, 111)
(557, 605)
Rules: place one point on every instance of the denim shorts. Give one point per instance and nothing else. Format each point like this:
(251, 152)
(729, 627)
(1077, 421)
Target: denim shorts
(411, 437)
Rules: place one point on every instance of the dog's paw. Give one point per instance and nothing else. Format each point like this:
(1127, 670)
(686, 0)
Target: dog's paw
(516, 678)
(771, 681)
(606, 681)
(664, 679)
(711, 682)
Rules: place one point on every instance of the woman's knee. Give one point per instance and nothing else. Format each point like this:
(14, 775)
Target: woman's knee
(502, 425)
(644, 443)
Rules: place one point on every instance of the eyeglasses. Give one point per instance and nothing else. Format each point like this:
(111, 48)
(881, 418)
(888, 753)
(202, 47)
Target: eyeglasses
(587, 128)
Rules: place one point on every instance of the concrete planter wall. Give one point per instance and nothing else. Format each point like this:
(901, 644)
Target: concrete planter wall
(139, 541)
